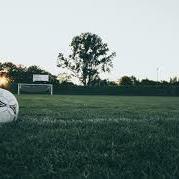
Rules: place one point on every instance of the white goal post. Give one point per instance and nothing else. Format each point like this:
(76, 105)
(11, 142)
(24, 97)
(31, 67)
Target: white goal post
(35, 88)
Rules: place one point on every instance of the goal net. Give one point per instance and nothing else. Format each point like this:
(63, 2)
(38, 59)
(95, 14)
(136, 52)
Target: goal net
(35, 88)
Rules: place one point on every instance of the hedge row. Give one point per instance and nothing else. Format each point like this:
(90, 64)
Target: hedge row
(120, 90)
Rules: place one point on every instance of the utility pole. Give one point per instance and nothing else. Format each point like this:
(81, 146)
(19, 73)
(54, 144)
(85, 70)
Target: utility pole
(157, 74)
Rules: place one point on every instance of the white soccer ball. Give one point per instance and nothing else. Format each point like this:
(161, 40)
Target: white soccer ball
(9, 107)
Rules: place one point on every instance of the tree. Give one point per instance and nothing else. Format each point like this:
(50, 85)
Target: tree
(135, 82)
(37, 70)
(33, 70)
(64, 77)
(126, 81)
(174, 81)
(14, 73)
(147, 82)
(89, 58)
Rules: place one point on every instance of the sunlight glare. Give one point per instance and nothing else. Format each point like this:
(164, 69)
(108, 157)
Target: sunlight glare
(3, 81)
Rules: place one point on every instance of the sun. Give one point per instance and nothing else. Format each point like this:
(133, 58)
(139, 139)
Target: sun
(4, 81)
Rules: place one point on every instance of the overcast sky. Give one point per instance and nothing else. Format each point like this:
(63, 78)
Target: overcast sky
(144, 33)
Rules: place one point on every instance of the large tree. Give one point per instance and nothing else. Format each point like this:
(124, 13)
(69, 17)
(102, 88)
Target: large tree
(89, 58)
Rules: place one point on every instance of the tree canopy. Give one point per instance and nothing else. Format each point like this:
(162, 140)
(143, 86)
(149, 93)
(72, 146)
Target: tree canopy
(89, 58)
(22, 74)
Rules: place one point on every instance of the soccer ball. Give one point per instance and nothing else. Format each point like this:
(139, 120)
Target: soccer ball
(9, 107)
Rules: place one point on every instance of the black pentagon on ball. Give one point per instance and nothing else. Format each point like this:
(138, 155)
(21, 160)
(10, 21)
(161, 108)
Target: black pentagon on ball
(2, 104)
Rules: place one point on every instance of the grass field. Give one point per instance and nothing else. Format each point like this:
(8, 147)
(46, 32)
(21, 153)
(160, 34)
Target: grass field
(92, 137)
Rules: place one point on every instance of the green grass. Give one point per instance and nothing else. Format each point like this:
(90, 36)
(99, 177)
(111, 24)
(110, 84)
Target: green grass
(92, 137)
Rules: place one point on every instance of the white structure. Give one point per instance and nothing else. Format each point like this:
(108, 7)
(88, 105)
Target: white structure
(39, 77)
(35, 88)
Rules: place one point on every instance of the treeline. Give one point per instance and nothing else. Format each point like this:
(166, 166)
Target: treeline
(129, 86)
(63, 83)
(22, 74)
(133, 81)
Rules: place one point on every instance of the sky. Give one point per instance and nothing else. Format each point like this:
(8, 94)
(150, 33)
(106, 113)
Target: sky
(143, 33)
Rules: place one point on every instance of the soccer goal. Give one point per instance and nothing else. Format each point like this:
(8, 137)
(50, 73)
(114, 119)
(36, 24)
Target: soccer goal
(35, 88)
